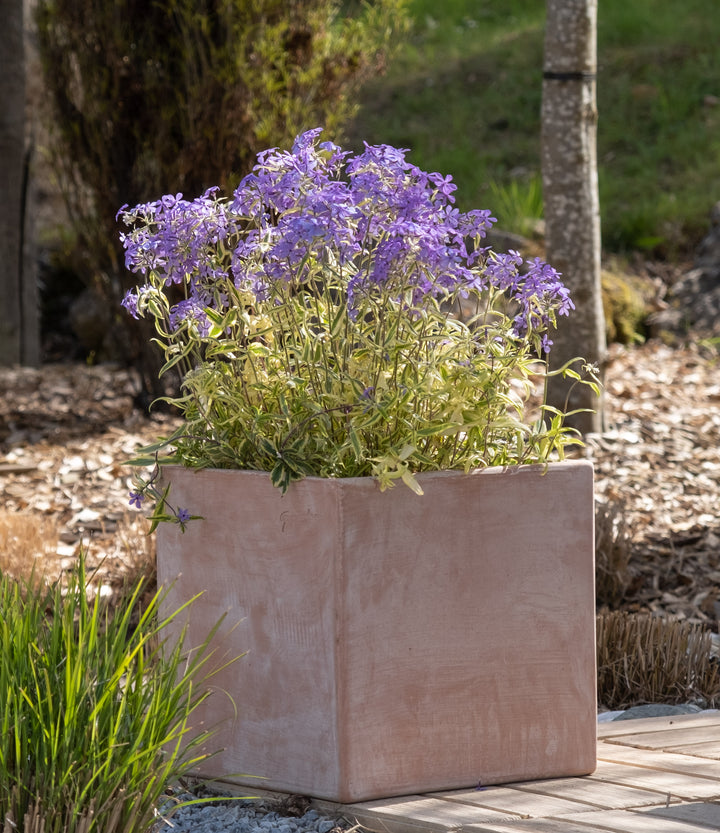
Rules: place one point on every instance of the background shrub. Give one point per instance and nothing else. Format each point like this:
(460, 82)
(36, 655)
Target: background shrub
(179, 95)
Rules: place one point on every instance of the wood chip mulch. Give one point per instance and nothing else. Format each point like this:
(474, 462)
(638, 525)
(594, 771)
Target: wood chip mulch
(659, 465)
(66, 430)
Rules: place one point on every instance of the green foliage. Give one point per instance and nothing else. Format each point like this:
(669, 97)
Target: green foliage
(520, 204)
(97, 709)
(281, 390)
(464, 93)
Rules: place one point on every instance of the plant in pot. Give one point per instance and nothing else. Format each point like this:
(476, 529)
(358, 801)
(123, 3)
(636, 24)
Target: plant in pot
(340, 326)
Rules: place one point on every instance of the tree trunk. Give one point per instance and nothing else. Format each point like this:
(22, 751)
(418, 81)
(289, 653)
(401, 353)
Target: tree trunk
(19, 320)
(570, 192)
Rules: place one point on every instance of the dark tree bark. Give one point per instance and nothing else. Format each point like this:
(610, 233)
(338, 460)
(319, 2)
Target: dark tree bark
(570, 191)
(19, 340)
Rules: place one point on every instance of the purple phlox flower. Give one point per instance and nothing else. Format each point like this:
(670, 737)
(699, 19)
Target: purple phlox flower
(191, 310)
(183, 515)
(181, 238)
(322, 228)
(544, 281)
(541, 295)
(452, 217)
(374, 218)
(249, 275)
(477, 223)
(444, 184)
(481, 253)
(263, 155)
(542, 284)
(502, 269)
(136, 499)
(168, 201)
(283, 181)
(476, 280)
(140, 251)
(246, 197)
(247, 269)
(130, 302)
(306, 140)
(565, 303)
(336, 154)
(520, 325)
(381, 157)
(302, 229)
(387, 258)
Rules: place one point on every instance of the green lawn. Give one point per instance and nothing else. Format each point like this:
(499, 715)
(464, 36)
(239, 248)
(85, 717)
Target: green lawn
(463, 92)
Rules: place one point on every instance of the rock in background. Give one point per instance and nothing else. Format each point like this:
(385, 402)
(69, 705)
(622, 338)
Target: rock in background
(693, 301)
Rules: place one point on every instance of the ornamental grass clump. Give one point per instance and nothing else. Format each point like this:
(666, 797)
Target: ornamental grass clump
(97, 713)
(315, 320)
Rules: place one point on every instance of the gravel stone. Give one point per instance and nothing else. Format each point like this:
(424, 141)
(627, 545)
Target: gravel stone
(242, 816)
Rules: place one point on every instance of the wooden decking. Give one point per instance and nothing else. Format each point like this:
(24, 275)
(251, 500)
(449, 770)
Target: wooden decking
(654, 775)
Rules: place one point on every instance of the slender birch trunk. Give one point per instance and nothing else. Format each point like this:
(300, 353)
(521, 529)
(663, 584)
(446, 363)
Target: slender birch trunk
(570, 191)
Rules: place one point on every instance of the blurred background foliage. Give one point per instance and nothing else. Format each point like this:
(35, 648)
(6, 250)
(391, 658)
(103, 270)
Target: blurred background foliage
(179, 95)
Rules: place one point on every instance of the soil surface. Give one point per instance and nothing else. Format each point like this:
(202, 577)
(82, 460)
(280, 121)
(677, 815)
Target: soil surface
(66, 431)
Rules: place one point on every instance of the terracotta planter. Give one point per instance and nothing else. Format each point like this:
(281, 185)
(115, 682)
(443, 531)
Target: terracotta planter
(396, 644)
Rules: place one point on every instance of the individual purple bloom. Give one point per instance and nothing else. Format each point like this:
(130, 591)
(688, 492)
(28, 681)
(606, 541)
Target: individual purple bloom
(130, 302)
(182, 515)
(136, 499)
(444, 185)
(192, 310)
(477, 223)
(502, 269)
(388, 256)
(566, 303)
(306, 140)
(168, 201)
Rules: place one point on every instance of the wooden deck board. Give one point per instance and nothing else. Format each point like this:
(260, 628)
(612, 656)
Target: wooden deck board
(631, 821)
(654, 774)
(707, 813)
(670, 761)
(522, 802)
(668, 738)
(423, 812)
(616, 821)
(704, 720)
(595, 792)
(710, 749)
(677, 786)
(540, 826)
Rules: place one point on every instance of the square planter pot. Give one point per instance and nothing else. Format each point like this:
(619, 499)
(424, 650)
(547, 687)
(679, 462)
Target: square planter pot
(395, 644)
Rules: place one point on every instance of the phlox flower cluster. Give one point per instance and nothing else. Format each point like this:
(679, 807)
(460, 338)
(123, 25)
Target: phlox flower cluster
(374, 220)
